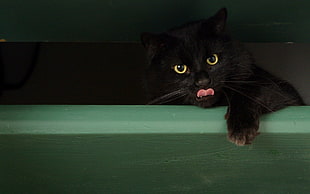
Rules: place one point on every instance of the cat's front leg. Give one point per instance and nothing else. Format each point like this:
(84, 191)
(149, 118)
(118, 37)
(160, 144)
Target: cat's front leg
(242, 122)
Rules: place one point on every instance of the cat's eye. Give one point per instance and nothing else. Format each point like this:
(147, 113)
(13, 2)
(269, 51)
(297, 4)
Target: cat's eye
(213, 59)
(180, 68)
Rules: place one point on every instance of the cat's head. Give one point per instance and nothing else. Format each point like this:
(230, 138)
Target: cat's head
(193, 63)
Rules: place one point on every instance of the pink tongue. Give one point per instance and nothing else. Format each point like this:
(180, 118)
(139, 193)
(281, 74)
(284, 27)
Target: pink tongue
(207, 92)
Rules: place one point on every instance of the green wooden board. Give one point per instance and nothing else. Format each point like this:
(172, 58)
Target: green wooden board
(123, 20)
(149, 149)
(154, 163)
(136, 119)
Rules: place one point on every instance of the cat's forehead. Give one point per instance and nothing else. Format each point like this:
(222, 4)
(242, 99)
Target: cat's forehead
(190, 29)
(198, 36)
(199, 45)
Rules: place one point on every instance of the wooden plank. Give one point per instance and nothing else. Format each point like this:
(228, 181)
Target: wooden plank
(91, 119)
(122, 20)
(153, 163)
(149, 149)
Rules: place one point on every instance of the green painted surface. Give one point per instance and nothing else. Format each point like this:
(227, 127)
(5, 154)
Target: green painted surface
(115, 119)
(154, 163)
(149, 149)
(123, 20)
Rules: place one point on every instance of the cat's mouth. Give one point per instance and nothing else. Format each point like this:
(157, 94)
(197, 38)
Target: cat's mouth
(204, 94)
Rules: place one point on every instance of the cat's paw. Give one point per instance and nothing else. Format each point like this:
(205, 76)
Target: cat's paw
(243, 137)
(242, 131)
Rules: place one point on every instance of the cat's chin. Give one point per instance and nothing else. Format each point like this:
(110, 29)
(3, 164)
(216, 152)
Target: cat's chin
(205, 102)
(203, 99)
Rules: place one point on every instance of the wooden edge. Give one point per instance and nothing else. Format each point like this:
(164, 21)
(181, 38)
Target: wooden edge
(137, 119)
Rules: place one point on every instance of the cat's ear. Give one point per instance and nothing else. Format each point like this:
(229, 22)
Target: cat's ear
(219, 21)
(146, 39)
(153, 42)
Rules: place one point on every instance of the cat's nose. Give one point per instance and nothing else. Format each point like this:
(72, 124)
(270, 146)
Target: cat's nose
(202, 79)
(202, 82)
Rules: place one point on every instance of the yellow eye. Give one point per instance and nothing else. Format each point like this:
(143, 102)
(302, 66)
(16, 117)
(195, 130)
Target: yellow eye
(213, 59)
(180, 68)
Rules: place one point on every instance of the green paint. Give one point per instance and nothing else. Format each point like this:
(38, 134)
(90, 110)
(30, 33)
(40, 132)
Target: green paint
(116, 119)
(153, 163)
(122, 20)
(149, 149)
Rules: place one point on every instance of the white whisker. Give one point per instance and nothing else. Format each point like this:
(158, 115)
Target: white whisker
(249, 97)
(168, 97)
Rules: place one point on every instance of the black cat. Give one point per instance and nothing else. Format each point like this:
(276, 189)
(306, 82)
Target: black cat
(199, 64)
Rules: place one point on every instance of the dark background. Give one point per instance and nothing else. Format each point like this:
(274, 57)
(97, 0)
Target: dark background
(112, 73)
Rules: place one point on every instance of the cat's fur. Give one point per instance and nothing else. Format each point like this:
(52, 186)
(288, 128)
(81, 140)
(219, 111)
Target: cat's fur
(246, 89)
